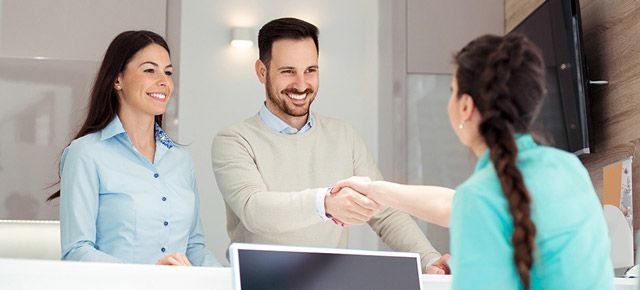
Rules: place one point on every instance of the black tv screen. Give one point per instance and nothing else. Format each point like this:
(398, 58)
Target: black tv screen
(563, 120)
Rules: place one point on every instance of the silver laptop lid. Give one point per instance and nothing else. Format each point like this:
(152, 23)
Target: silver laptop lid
(258, 266)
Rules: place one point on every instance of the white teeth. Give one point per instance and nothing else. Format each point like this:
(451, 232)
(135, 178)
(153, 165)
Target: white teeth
(298, 97)
(158, 95)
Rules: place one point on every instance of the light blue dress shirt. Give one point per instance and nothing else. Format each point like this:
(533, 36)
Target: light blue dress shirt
(572, 248)
(274, 122)
(116, 206)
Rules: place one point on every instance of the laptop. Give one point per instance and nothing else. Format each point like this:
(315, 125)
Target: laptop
(257, 266)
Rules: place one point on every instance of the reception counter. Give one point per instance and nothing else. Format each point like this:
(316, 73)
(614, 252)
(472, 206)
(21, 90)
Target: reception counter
(50, 275)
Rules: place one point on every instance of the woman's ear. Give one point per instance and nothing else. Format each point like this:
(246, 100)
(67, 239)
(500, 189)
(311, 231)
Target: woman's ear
(467, 106)
(261, 71)
(117, 85)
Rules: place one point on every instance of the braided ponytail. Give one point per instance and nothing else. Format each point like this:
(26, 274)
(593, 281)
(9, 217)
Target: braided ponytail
(504, 76)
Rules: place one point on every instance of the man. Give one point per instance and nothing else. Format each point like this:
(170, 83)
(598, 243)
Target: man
(274, 169)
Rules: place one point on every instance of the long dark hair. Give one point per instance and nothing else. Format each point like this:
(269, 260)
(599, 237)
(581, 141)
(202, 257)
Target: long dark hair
(104, 102)
(505, 78)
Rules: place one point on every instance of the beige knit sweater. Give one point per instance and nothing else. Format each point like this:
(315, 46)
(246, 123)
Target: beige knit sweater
(269, 181)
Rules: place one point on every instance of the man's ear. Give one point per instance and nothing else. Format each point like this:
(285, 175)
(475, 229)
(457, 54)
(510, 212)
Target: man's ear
(261, 71)
(467, 106)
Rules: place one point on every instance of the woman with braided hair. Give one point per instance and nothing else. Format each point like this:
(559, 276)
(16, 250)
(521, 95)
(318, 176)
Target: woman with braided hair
(528, 217)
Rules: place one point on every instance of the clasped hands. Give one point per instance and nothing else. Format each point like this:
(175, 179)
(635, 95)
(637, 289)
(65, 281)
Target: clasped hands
(355, 200)
(349, 202)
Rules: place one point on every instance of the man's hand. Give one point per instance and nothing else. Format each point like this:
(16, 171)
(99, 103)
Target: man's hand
(440, 266)
(175, 259)
(349, 207)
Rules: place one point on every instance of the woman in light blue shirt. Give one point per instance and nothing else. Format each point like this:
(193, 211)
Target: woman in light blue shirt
(127, 191)
(528, 217)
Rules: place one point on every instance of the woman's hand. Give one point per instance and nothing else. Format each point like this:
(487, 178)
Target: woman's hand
(175, 259)
(362, 185)
(357, 183)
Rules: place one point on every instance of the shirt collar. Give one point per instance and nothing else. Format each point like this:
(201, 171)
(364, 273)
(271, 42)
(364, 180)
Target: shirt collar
(274, 122)
(523, 142)
(115, 128)
(163, 137)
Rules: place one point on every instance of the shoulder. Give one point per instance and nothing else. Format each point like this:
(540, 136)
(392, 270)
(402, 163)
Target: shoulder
(336, 129)
(550, 153)
(548, 158)
(182, 153)
(341, 134)
(241, 128)
(481, 182)
(481, 190)
(84, 146)
(82, 151)
(332, 123)
(239, 137)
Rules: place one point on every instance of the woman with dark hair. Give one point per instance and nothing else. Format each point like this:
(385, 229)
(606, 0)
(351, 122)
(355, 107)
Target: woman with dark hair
(127, 191)
(528, 217)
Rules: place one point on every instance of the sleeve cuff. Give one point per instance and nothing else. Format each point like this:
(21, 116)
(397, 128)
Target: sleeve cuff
(320, 196)
(430, 259)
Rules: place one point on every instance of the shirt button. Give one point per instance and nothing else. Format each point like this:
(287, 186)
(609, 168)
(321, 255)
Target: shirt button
(156, 175)
(164, 198)
(166, 223)
(163, 249)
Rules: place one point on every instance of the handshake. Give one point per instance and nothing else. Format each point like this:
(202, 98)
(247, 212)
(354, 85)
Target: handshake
(352, 201)
(357, 199)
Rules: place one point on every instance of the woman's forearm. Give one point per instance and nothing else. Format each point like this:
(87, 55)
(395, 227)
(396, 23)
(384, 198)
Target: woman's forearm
(429, 203)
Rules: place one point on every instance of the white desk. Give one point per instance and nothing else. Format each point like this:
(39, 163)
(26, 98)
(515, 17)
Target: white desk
(52, 275)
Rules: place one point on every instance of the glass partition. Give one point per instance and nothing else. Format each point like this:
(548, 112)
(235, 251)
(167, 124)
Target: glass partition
(43, 102)
(435, 156)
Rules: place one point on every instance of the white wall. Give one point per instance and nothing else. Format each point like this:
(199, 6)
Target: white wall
(73, 29)
(218, 86)
(49, 54)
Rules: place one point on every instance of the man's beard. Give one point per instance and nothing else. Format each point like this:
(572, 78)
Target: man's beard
(282, 104)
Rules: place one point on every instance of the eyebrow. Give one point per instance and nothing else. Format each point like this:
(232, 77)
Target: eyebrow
(154, 64)
(290, 67)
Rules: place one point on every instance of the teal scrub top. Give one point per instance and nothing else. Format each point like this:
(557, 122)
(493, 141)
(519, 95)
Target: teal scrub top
(572, 247)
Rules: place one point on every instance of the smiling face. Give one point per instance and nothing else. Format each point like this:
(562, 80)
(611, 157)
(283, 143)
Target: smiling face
(145, 85)
(291, 79)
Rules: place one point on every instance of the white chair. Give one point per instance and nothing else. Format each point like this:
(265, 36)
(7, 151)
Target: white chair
(30, 239)
(621, 236)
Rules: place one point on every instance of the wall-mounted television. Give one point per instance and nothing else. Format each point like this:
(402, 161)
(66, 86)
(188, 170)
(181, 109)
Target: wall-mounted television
(564, 117)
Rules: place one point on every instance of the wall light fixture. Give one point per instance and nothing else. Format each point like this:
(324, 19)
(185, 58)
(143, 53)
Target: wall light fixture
(242, 37)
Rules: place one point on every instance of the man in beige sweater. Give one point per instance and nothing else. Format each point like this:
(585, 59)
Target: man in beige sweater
(274, 169)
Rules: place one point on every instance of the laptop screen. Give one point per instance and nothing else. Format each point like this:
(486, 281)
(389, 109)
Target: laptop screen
(284, 268)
